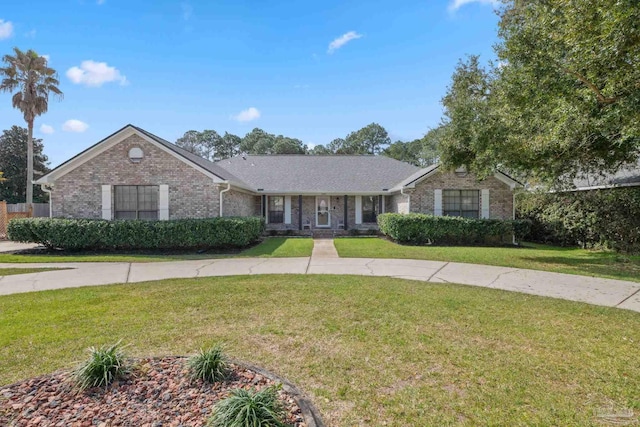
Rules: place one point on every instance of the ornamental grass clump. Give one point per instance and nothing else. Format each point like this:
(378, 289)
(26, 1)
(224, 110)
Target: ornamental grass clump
(249, 408)
(104, 365)
(210, 365)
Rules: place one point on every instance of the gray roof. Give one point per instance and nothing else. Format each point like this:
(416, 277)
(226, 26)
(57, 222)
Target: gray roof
(319, 174)
(625, 177)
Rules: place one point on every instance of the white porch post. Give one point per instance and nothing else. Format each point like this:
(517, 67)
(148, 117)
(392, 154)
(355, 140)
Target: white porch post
(484, 195)
(287, 209)
(358, 210)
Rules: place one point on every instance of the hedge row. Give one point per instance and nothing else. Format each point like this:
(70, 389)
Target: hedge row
(77, 234)
(419, 229)
(600, 218)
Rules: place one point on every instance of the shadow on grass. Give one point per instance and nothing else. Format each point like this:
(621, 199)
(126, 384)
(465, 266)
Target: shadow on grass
(601, 264)
(266, 248)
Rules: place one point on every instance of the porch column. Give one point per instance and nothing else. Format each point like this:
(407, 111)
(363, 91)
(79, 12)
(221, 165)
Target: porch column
(300, 212)
(264, 207)
(346, 213)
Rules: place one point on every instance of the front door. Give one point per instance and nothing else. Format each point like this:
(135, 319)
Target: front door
(323, 218)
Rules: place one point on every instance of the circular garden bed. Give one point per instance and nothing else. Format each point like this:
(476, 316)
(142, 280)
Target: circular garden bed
(157, 392)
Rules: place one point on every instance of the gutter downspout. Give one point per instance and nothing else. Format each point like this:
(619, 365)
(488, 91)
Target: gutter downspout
(221, 193)
(513, 215)
(409, 201)
(48, 191)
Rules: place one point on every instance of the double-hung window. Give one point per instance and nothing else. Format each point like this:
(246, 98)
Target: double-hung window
(136, 201)
(369, 208)
(276, 209)
(464, 203)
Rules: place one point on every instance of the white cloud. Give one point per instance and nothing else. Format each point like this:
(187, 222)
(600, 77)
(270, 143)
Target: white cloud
(342, 40)
(6, 29)
(100, 1)
(74, 125)
(47, 57)
(457, 4)
(46, 129)
(247, 115)
(30, 34)
(95, 74)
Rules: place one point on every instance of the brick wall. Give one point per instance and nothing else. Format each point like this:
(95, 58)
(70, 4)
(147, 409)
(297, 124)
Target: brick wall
(78, 194)
(500, 195)
(236, 203)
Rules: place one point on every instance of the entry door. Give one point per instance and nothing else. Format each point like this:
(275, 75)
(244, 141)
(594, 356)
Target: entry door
(323, 218)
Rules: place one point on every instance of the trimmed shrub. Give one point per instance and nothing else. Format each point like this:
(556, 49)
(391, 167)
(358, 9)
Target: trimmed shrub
(599, 218)
(77, 234)
(210, 365)
(249, 408)
(105, 364)
(420, 229)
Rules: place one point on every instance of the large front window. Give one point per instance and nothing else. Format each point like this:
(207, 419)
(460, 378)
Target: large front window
(276, 209)
(369, 208)
(464, 203)
(136, 202)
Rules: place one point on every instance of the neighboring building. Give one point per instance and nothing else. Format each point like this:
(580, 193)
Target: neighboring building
(628, 176)
(135, 174)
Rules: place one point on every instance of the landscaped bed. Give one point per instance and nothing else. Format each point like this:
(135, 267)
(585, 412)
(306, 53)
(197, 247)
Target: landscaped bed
(14, 271)
(367, 351)
(158, 392)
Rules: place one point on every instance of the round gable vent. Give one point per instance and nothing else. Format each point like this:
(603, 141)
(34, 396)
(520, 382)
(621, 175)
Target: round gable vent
(136, 155)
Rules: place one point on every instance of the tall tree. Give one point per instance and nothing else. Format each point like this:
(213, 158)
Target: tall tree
(257, 142)
(564, 97)
(191, 141)
(13, 163)
(28, 73)
(371, 139)
(286, 145)
(228, 146)
(319, 150)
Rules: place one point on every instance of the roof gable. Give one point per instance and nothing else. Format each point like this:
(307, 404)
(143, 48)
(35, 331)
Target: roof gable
(217, 174)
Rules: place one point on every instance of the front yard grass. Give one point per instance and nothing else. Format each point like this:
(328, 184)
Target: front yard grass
(277, 247)
(529, 255)
(368, 351)
(13, 271)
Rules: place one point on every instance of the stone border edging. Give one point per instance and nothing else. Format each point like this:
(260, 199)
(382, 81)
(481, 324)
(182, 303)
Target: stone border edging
(310, 413)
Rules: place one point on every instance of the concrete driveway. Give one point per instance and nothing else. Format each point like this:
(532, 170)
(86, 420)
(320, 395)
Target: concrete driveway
(605, 292)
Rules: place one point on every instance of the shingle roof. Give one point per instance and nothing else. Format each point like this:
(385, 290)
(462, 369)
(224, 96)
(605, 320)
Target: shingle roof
(627, 176)
(319, 174)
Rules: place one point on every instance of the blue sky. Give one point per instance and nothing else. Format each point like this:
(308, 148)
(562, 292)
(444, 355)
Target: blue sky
(309, 70)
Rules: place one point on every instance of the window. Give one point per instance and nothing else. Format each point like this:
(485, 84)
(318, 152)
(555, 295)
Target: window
(369, 208)
(136, 202)
(465, 203)
(276, 209)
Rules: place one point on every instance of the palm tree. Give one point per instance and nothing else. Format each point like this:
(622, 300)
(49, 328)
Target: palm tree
(28, 73)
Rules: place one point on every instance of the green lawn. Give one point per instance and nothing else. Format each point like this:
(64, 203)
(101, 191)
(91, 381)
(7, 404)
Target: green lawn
(12, 271)
(270, 247)
(281, 247)
(533, 256)
(368, 351)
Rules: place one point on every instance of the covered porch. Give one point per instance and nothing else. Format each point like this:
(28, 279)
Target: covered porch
(310, 213)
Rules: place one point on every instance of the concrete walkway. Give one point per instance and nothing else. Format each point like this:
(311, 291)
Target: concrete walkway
(605, 292)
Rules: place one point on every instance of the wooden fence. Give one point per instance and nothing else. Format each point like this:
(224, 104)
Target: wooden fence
(40, 210)
(6, 216)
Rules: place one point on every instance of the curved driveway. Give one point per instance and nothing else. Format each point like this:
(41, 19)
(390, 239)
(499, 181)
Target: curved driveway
(605, 292)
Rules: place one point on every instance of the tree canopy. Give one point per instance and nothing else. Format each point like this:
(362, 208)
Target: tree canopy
(13, 164)
(563, 99)
(28, 76)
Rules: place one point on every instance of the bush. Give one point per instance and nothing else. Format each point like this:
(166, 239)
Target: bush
(77, 234)
(210, 365)
(600, 218)
(249, 408)
(419, 229)
(103, 366)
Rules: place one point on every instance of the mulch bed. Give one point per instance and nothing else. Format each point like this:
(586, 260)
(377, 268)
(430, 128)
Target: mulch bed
(158, 393)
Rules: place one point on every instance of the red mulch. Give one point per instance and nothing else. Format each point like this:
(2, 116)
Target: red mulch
(158, 393)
